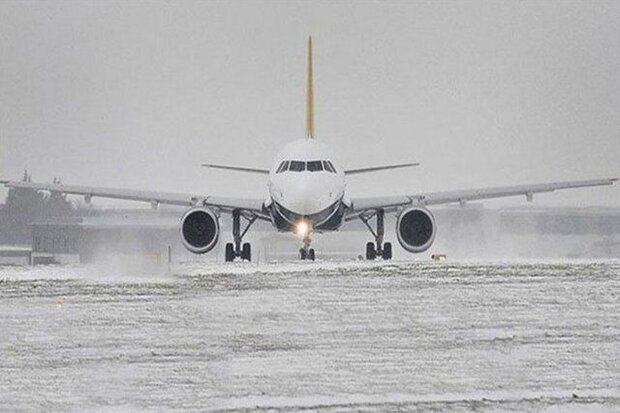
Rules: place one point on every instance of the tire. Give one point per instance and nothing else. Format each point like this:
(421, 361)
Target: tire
(311, 254)
(371, 253)
(246, 252)
(230, 252)
(387, 251)
(302, 254)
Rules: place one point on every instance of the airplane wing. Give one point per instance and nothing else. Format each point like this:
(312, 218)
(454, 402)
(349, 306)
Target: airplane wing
(155, 198)
(390, 203)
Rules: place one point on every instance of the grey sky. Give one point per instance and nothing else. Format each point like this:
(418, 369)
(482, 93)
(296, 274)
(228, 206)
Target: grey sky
(137, 95)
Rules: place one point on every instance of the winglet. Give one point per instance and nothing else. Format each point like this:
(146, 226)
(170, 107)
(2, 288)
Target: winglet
(310, 95)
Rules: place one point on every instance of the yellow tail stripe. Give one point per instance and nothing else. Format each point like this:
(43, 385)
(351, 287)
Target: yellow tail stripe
(310, 95)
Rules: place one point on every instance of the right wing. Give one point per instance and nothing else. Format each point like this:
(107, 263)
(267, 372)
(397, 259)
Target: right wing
(390, 203)
(227, 204)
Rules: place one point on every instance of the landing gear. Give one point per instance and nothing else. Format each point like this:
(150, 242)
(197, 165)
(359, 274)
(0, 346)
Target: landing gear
(307, 253)
(230, 252)
(387, 251)
(235, 249)
(371, 253)
(378, 248)
(246, 252)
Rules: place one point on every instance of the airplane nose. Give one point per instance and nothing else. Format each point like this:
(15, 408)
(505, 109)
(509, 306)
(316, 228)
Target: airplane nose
(307, 199)
(304, 203)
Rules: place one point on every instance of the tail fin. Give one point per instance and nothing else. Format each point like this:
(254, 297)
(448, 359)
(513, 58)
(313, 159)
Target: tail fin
(310, 95)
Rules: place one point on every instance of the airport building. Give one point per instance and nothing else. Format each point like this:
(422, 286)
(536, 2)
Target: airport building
(136, 233)
(566, 232)
(529, 232)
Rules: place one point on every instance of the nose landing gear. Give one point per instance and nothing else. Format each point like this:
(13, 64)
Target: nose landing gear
(307, 253)
(236, 249)
(378, 248)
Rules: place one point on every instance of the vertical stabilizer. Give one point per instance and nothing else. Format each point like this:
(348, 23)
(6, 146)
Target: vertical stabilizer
(310, 95)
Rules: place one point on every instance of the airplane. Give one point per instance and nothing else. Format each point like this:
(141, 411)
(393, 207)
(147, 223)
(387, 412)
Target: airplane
(307, 195)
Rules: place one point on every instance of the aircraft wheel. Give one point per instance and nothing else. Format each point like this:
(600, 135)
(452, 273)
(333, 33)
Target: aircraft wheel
(246, 252)
(311, 254)
(371, 253)
(230, 252)
(387, 251)
(302, 254)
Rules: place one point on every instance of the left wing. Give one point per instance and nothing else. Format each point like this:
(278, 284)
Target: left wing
(436, 198)
(155, 198)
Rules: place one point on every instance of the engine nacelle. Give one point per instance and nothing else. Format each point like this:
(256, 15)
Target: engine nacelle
(416, 229)
(200, 230)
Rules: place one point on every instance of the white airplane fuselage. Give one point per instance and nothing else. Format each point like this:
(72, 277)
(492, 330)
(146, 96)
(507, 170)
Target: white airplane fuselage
(310, 189)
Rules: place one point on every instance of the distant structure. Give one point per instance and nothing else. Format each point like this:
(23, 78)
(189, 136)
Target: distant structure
(137, 234)
(24, 206)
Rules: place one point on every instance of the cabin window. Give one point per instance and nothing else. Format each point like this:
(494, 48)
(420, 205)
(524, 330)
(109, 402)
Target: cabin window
(329, 167)
(297, 166)
(315, 166)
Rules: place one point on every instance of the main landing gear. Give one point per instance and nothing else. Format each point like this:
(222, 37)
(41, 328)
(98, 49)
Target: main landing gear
(377, 248)
(306, 253)
(236, 249)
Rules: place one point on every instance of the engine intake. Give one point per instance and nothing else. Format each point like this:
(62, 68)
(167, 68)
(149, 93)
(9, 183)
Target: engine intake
(416, 229)
(200, 230)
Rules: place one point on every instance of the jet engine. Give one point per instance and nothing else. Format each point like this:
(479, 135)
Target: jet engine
(416, 229)
(200, 230)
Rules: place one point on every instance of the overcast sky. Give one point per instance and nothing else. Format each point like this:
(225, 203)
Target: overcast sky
(138, 95)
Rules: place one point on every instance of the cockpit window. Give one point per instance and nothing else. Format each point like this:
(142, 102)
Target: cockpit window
(311, 166)
(297, 166)
(283, 167)
(329, 167)
(315, 166)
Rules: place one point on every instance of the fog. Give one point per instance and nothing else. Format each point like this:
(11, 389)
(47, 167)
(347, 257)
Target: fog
(138, 95)
(114, 314)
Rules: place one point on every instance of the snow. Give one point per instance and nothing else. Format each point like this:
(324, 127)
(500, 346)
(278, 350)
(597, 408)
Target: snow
(329, 336)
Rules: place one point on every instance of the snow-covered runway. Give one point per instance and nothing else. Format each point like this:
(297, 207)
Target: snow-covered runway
(343, 336)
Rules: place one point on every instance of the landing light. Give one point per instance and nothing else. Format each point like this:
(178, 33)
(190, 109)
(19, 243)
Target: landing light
(303, 228)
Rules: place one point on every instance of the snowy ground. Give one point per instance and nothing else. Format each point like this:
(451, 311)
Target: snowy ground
(331, 336)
